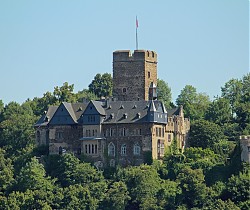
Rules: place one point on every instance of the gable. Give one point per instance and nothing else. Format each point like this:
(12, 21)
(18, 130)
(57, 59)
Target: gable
(93, 113)
(62, 116)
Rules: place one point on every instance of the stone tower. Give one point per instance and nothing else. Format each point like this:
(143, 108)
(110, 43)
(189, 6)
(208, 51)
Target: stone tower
(134, 74)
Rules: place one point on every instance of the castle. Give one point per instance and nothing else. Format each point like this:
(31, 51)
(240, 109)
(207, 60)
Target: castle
(128, 129)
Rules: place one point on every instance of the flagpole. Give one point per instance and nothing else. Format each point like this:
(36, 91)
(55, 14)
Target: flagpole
(136, 36)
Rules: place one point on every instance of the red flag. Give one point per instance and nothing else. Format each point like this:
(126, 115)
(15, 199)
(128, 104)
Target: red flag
(137, 23)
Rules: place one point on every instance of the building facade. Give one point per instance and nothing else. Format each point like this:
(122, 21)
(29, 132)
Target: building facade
(128, 129)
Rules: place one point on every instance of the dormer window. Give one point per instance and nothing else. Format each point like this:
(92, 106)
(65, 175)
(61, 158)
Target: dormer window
(112, 115)
(138, 115)
(125, 115)
(134, 107)
(121, 107)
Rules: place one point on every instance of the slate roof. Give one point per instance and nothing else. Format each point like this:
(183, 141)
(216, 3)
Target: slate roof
(99, 107)
(115, 111)
(77, 110)
(131, 111)
(174, 111)
(46, 117)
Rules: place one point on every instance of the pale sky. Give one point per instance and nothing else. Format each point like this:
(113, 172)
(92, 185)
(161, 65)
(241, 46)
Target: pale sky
(45, 43)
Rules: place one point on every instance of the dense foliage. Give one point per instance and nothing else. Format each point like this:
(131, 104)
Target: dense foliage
(208, 175)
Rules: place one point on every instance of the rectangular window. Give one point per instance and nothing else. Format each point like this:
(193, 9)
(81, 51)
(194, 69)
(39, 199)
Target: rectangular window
(96, 149)
(60, 135)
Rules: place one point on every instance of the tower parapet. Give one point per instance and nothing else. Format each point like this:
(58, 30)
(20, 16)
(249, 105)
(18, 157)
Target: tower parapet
(133, 74)
(127, 55)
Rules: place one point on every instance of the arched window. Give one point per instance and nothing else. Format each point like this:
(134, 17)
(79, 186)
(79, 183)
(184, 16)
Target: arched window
(137, 149)
(124, 150)
(124, 90)
(111, 149)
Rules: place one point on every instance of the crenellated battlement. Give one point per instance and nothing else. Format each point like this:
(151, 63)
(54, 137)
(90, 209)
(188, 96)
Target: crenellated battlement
(137, 55)
(246, 137)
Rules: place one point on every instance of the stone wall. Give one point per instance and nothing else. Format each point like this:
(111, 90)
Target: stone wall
(133, 73)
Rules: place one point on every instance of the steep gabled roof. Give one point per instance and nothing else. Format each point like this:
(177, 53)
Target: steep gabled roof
(46, 117)
(69, 107)
(99, 107)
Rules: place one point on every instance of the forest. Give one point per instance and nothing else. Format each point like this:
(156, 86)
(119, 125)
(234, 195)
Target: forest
(207, 175)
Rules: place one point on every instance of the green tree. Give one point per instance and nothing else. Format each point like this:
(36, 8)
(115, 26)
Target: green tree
(78, 197)
(65, 93)
(86, 95)
(238, 188)
(143, 184)
(232, 91)
(164, 93)
(39, 105)
(167, 195)
(205, 134)
(69, 170)
(33, 177)
(194, 104)
(16, 129)
(101, 85)
(194, 190)
(6, 171)
(219, 111)
(116, 197)
(198, 158)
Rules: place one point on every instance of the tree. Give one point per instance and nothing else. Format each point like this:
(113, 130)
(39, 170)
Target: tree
(198, 158)
(164, 93)
(194, 190)
(238, 188)
(33, 177)
(65, 93)
(69, 170)
(6, 171)
(167, 195)
(78, 197)
(194, 104)
(143, 184)
(101, 85)
(116, 197)
(219, 111)
(86, 95)
(204, 134)
(17, 129)
(232, 91)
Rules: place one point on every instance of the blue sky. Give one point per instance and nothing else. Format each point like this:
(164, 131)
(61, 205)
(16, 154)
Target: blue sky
(45, 43)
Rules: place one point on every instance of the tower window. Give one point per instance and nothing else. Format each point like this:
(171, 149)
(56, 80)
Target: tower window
(124, 90)
(148, 74)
